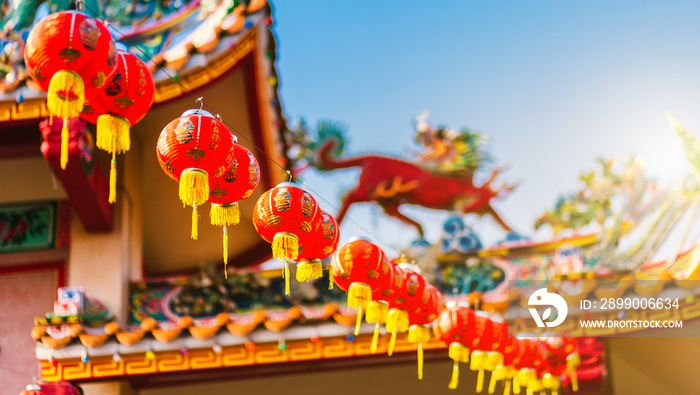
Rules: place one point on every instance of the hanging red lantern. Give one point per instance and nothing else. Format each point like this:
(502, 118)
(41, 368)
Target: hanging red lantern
(407, 299)
(483, 344)
(456, 326)
(495, 358)
(67, 53)
(319, 246)
(561, 359)
(238, 183)
(123, 102)
(385, 284)
(33, 389)
(191, 149)
(283, 216)
(356, 269)
(418, 331)
(528, 362)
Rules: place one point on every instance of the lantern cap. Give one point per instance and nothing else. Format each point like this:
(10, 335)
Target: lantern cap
(410, 266)
(34, 387)
(357, 238)
(287, 184)
(496, 318)
(196, 111)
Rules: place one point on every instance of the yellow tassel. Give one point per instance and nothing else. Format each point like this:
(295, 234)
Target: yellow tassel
(66, 94)
(377, 311)
(286, 277)
(113, 133)
(285, 246)
(419, 334)
(420, 361)
(358, 321)
(309, 270)
(506, 388)
(572, 363)
(454, 381)
(396, 321)
(492, 383)
(225, 214)
(194, 187)
(64, 144)
(516, 385)
(112, 180)
(225, 251)
(330, 277)
(499, 373)
(194, 221)
(458, 353)
(478, 362)
(375, 339)
(359, 296)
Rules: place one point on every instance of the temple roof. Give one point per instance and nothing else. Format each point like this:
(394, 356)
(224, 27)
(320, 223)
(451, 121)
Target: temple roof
(185, 43)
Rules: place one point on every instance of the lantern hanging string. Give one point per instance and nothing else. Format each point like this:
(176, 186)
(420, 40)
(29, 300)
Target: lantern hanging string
(202, 103)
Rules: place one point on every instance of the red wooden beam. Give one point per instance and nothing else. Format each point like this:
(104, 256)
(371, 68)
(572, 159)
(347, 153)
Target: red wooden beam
(83, 179)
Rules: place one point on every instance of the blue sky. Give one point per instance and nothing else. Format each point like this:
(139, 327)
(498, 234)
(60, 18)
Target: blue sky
(553, 84)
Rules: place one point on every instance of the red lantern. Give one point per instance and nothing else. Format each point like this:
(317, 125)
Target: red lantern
(528, 363)
(408, 298)
(191, 149)
(418, 331)
(318, 247)
(378, 308)
(33, 389)
(123, 102)
(238, 182)
(356, 269)
(500, 357)
(68, 53)
(560, 359)
(483, 344)
(456, 326)
(283, 216)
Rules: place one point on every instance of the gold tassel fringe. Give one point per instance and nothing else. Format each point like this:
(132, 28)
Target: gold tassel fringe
(359, 296)
(65, 99)
(458, 353)
(225, 214)
(113, 133)
(194, 187)
(309, 270)
(396, 321)
(66, 94)
(330, 277)
(225, 252)
(377, 311)
(478, 362)
(285, 246)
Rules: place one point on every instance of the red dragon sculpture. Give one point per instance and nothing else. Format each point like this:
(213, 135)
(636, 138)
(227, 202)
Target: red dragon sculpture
(392, 182)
